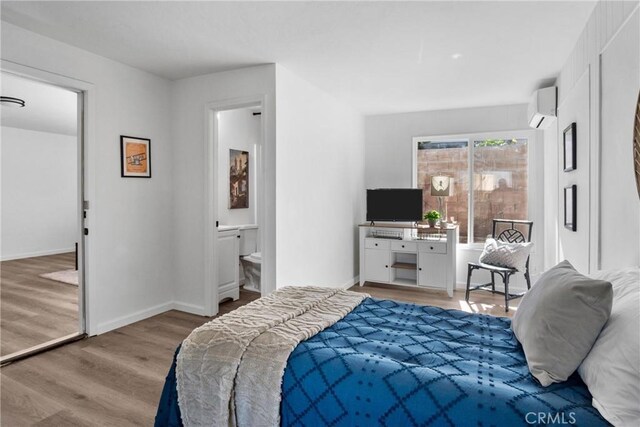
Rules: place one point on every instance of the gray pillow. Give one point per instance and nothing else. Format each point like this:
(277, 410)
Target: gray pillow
(559, 319)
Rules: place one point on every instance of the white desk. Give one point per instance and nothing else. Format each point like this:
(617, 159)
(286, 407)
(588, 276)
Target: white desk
(408, 255)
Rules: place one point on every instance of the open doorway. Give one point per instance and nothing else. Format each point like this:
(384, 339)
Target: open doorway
(235, 205)
(41, 280)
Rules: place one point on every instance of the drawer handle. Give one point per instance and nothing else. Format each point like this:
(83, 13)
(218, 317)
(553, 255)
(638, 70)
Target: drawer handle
(420, 268)
(403, 246)
(376, 244)
(386, 266)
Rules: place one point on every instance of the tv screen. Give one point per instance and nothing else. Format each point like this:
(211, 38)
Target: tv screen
(394, 204)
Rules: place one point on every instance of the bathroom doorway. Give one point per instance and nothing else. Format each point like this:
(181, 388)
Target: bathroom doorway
(235, 182)
(41, 267)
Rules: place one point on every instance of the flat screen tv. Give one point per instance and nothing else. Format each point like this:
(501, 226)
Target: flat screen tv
(394, 204)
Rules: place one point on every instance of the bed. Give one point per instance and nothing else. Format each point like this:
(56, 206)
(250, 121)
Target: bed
(395, 364)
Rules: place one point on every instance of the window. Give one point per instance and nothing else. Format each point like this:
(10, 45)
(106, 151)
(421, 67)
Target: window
(500, 183)
(450, 158)
(491, 179)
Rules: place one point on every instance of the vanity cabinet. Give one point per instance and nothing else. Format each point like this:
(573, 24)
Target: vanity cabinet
(228, 267)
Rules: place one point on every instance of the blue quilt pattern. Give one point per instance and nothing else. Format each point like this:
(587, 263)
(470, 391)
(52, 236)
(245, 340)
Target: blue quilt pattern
(395, 364)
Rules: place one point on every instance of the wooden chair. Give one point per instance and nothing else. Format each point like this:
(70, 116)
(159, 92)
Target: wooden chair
(509, 234)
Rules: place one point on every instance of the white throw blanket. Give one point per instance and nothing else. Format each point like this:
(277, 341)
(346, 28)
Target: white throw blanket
(229, 371)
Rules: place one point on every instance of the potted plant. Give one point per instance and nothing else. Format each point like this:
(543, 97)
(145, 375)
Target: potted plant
(432, 217)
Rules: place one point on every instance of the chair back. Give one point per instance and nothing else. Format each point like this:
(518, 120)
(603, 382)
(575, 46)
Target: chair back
(512, 230)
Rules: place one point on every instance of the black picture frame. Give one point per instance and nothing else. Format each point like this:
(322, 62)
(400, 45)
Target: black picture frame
(138, 164)
(570, 205)
(569, 147)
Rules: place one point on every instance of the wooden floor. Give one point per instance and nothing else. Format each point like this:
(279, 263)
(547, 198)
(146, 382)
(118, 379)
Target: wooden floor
(115, 379)
(34, 310)
(479, 301)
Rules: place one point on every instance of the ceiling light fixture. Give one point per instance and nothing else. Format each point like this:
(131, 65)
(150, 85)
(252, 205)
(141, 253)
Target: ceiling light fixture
(8, 101)
(456, 56)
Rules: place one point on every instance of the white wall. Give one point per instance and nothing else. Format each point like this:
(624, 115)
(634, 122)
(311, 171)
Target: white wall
(39, 193)
(607, 54)
(237, 130)
(130, 248)
(388, 154)
(574, 245)
(549, 196)
(620, 205)
(320, 185)
(189, 99)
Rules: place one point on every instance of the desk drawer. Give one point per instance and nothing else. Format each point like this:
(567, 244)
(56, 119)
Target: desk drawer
(433, 247)
(402, 246)
(376, 243)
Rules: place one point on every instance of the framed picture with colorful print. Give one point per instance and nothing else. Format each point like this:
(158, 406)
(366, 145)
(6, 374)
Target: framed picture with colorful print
(135, 157)
(238, 179)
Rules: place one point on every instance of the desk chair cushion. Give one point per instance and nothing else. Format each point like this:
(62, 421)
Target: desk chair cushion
(504, 254)
(559, 319)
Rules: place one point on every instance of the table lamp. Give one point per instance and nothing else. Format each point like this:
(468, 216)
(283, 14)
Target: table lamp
(441, 187)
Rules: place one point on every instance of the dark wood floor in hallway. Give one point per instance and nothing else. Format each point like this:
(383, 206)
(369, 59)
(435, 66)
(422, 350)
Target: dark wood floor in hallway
(35, 310)
(115, 379)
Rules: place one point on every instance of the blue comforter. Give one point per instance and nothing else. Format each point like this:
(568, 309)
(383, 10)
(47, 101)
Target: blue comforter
(395, 364)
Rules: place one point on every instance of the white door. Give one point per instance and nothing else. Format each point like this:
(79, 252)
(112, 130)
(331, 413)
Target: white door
(432, 270)
(376, 263)
(228, 259)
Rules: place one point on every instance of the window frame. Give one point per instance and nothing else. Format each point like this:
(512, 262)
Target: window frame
(535, 183)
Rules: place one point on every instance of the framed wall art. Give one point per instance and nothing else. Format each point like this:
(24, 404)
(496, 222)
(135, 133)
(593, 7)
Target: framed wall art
(569, 146)
(135, 157)
(570, 203)
(238, 179)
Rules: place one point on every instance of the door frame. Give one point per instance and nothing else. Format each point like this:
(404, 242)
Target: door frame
(211, 196)
(86, 191)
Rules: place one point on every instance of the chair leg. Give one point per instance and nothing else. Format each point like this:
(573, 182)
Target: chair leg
(493, 281)
(469, 272)
(506, 293)
(527, 278)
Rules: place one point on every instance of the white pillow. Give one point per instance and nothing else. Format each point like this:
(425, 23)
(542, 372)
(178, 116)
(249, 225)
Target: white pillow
(503, 254)
(611, 370)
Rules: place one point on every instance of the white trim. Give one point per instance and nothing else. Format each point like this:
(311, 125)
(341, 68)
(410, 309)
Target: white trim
(37, 254)
(211, 305)
(132, 318)
(198, 310)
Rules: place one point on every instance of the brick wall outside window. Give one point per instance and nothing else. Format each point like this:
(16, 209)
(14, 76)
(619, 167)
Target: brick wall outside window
(500, 183)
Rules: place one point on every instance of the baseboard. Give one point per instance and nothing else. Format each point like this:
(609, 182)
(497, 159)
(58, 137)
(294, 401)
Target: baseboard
(132, 318)
(350, 283)
(174, 305)
(37, 254)
(189, 308)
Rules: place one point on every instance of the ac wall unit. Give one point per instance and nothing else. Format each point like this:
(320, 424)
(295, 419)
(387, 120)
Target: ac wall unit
(542, 108)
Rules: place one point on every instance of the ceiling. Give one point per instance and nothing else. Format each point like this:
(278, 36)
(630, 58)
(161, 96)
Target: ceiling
(47, 108)
(380, 57)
